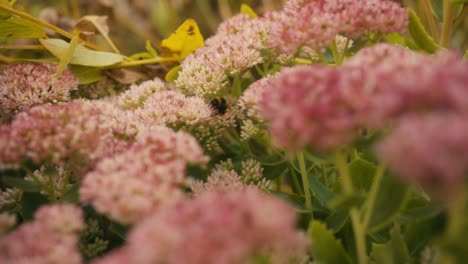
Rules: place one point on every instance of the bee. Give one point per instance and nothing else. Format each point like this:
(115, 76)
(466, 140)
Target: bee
(219, 104)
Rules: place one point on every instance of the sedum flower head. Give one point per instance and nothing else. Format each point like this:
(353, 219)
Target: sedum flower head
(142, 178)
(137, 94)
(315, 24)
(217, 227)
(23, 86)
(312, 105)
(73, 135)
(224, 177)
(431, 150)
(173, 108)
(50, 238)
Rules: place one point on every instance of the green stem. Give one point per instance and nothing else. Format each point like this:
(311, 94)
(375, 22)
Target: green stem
(292, 173)
(430, 18)
(347, 185)
(336, 54)
(302, 61)
(142, 62)
(45, 24)
(447, 23)
(372, 195)
(305, 180)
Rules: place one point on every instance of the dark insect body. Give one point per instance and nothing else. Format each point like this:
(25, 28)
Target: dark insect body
(219, 104)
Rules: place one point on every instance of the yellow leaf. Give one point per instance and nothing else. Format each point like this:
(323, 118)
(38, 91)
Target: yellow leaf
(172, 75)
(82, 55)
(246, 9)
(4, 14)
(185, 40)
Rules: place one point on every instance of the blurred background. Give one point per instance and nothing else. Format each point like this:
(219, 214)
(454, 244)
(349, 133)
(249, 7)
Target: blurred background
(132, 22)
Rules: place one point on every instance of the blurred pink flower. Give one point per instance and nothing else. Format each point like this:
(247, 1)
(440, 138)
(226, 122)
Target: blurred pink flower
(430, 149)
(50, 238)
(217, 227)
(313, 105)
(142, 178)
(325, 107)
(315, 24)
(23, 86)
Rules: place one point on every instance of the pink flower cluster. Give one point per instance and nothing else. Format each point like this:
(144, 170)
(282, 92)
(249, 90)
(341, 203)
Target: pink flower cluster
(129, 185)
(72, 135)
(315, 24)
(325, 107)
(25, 85)
(250, 99)
(50, 238)
(310, 105)
(137, 94)
(224, 178)
(216, 227)
(431, 150)
(235, 48)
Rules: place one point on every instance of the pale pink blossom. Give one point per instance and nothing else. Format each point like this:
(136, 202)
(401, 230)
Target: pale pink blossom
(431, 150)
(50, 238)
(23, 86)
(217, 227)
(137, 94)
(72, 135)
(129, 185)
(315, 24)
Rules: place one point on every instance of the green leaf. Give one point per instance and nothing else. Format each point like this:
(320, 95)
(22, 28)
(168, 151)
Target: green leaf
(398, 39)
(419, 233)
(322, 193)
(30, 203)
(22, 184)
(337, 220)
(419, 34)
(72, 195)
(68, 55)
(392, 252)
(362, 173)
(418, 214)
(326, 248)
(86, 74)
(16, 27)
(438, 8)
(5, 14)
(390, 202)
(172, 75)
(347, 201)
(82, 56)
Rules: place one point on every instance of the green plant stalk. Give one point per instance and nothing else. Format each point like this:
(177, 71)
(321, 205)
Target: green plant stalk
(430, 18)
(372, 195)
(142, 62)
(336, 55)
(305, 180)
(45, 24)
(449, 8)
(293, 175)
(358, 228)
